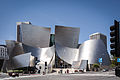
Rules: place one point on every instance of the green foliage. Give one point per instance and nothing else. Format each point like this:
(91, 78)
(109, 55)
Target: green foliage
(96, 65)
(17, 71)
(112, 65)
(114, 61)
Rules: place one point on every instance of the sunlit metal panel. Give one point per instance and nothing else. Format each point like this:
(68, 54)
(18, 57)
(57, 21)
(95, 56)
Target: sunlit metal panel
(34, 35)
(23, 60)
(91, 50)
(67, 54)
(42, 54)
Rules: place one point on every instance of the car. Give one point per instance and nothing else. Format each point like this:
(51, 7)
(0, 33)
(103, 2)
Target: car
(104, 70)
(12, 74)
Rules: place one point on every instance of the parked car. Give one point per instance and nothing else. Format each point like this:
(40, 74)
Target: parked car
(12, 74)
(104, 70)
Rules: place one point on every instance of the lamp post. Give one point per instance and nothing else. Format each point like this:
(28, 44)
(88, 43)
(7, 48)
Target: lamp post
(61, 63)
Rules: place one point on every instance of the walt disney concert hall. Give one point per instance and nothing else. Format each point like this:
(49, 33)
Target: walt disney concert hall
(37, 47)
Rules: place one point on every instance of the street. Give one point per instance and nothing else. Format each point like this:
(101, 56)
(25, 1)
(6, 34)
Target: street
(80, 76)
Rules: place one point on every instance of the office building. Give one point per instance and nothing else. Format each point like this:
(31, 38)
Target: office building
(3, 55)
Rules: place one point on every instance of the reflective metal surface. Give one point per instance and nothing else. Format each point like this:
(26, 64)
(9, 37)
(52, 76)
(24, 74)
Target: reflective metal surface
(67, 36)
(66, 42)
(34, 36)
(23, 60)
(67, 54)
(91, 50)
(8, 63)
(42, 54)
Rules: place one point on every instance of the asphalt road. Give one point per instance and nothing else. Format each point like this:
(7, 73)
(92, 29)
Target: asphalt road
(82, 76)
(69, 77)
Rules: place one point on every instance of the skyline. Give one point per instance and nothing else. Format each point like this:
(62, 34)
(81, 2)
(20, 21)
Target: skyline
(91, 16)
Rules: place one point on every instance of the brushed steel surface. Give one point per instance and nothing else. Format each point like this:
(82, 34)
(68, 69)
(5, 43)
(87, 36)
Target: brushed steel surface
(43, 54)
(91, 50)
(14, 49)
(67, 36)
(23, 60)
(8, 63)
(66, 42)
(34, 35)
(67, 54)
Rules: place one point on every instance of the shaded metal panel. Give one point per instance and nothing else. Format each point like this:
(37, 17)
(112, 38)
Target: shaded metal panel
(91, 50)
(14, 49)
(67, 36)
(67, 54)
(10, 45)
(18, 49)
(83, 64)
(43, 54)
(35, 36)
(8, 63)
(22, 60)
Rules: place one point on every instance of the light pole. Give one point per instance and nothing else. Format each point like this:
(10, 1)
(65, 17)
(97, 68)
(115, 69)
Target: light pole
(61, 62)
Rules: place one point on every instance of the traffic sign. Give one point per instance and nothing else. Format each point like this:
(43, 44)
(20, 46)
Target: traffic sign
(100, 60)
(118, 59)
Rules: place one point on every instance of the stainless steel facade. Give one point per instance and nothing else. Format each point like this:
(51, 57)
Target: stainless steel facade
(8, 63)
(67, 36)
(23, 60)
(91, 50)
(42, 54)
(66, 42)
(35, 41)
(99, 36)
(34, 35)
(67, 54)
(31, 39)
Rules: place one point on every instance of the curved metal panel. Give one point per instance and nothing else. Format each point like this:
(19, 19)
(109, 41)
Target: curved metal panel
(67, 54)
(91, 50)
(43, 54)
(67, 36)
(35, 36)
(22, 60)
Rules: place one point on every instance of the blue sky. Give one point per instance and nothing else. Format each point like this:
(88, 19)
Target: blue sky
(90, 15)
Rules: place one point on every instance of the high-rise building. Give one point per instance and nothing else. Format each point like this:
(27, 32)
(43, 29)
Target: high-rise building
(99, 36)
